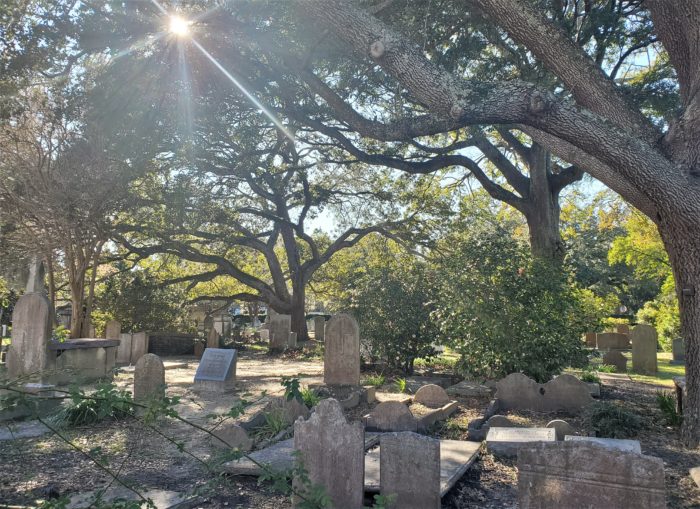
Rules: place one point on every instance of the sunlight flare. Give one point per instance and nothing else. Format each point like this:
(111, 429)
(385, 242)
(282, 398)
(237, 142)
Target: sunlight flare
(179, 26)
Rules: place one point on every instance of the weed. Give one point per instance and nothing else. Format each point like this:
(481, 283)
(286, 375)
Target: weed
(275, 423)
(607, 368)
(400, 384)
(106, 403)
(667, 404)
(374, 380)
(590, 376)
(610, 420)
(310, 397)
(292, 389)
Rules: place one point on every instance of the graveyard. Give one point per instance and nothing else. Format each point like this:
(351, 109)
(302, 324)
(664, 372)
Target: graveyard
(333, 254)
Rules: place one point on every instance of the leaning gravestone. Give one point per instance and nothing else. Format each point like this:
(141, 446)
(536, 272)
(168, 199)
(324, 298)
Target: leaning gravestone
(216, 371)
(333, 453)
(319, 327)
(113, 330)
(139, 346)
(581, 474)
(617, 359)
(564, 393)
(341, 361)
(149, 378)
(409, 470)
(29, 354)
(678, 351)
(391, 416)
(644, 344)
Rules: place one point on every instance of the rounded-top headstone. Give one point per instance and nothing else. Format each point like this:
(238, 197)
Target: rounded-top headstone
(341, 361)
(149, 378)
(432, 396)
(561, 428)
(499, 421)
(391, 416)
(230, 435)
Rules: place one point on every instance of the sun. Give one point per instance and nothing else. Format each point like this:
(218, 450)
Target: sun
(179, 26)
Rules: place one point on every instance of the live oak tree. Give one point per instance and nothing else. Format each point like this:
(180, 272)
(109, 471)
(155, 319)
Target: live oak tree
(594, 125)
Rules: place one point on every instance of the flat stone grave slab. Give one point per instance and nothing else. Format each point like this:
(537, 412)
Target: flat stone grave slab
(161, 499)
(468, 389)
(507, 441)
(609, 443)
(278, 457)
(393, 396)
(416, 382)
(26, 429)
(166, 364)
(456, 456)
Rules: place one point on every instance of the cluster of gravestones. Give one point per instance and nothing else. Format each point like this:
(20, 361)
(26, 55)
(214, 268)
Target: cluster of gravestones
(642, 340)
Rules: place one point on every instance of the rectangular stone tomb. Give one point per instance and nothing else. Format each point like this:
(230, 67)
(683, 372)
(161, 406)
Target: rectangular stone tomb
(617, 444)
(84, 359)
(216, 370)
(456, 457)
(574, 474)
(507, 441)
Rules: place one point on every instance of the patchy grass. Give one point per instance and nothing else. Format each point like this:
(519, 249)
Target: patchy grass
(667, 372)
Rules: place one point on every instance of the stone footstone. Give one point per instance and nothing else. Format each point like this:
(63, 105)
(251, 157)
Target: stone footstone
(568, 475)
(562, 428)
(332, 451)
(410, 470)
(149, 378)
(617, 444)
(391, 416)
(432, 396)
(499, 421)
(506, 442)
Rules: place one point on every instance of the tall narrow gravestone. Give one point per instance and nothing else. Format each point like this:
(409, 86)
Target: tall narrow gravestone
(149, 378)
(341, 361)
(113, 330)
(139, 346)
(333, 453)
(409, 470)
(216, 371)
(319, 327)
(280, 327)
(31, 329)
(124, 348)
(678, 351)
(213, 338)
(644, 343)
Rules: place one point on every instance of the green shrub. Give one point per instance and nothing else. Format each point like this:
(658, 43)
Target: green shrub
(106, 403)
(590, 376)
(292, 389)
(309, 397)
(374, 380)
(607, 368)
(400, 385)
(610, 420)
(275, 423)
(667, 405)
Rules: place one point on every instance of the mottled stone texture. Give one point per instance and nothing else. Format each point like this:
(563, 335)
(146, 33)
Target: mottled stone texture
(391, 416)
(679, 350)
(319, 328)
(149, 378)
(561, 428)
(341, 362)
(432, 396)
(564, 393)
(644, 344)
(31, 329)
(333, 453)
(410, 470)
(615, 358)
(280, 327)
(113, 330)
(572, 475)
(612, 340)
(230, 435)
(124, 349)
(506, 442)
(213, 338)
(139, 346)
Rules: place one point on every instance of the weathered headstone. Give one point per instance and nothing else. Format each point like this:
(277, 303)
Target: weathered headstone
(432, 396)
(590, 339)
(124, 348)
(341, 361)
(280, 327)
(499, 421)
(230, 435)
(31, 329)
(469, 389)
(213, 338)
(292, 341)
(139, 346)
(149, 378)
(678, 351)
(333, 453)
(319, 328)
(113, 330)
(508, 441)
(562, 428)
(564, 393)
(617, 359)
(617, 444)
(612, 341)
(410, 470)
(216, 370)
(644, 343)
(573, 474)
(391, 416)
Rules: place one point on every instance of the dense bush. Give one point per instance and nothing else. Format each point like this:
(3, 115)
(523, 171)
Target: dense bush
(610, 420)
(504, 311)
(106, 403)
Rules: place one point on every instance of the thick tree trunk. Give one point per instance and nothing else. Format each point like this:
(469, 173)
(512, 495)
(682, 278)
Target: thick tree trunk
(682, 242)
(299, 312)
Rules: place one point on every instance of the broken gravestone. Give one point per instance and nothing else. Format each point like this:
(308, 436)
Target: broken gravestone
(230, 435)
(333, 454)
(565, 393)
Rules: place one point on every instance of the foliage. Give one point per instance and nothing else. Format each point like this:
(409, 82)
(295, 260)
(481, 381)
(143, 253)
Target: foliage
(611, 420)
(60, 334)
(663, 314)
(589, 376)
(292, 389)
(374, 380)
(607, 368)
(504, 311)
(275, 423)
(107, 403)
(400, 385)
(667, 404)
(309, 397)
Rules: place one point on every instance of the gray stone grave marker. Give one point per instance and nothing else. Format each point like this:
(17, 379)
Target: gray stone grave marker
(319, 328)
(124, 348)
(678, 351)
(617, 359)
(341, 361)
(644, 344)
(139, 346)
(216, 370)
(213, 338)
(617, 444)
(507, 441)
(612, 340)
(280, 327)
(31, 329)
(149, 378)
(113, 330)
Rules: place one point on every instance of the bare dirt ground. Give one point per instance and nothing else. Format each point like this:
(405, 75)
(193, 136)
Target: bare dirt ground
(32, 467)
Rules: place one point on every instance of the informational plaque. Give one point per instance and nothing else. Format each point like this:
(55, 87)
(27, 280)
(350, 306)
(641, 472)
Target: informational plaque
(217, 365)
